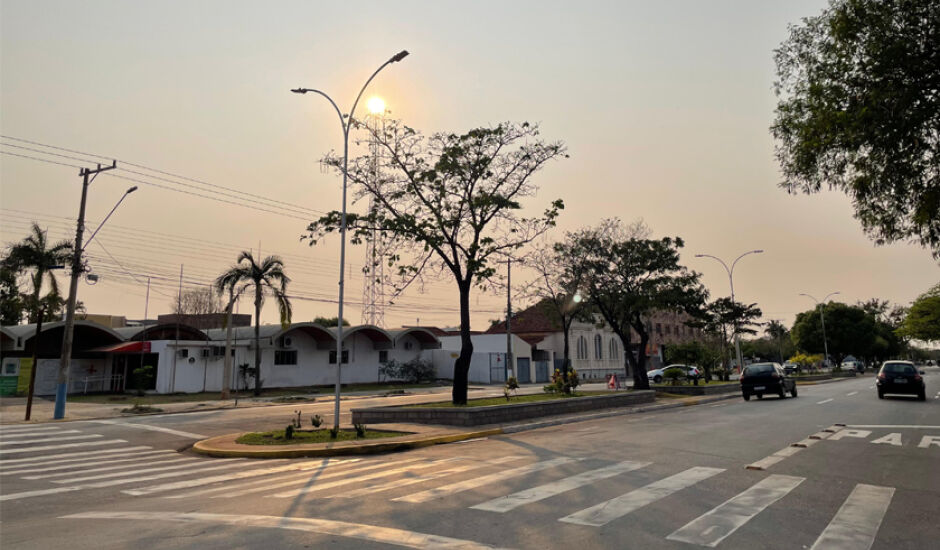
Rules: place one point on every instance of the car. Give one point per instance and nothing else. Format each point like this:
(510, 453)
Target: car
(766, 378)
(901, 377)
(687, 371)
(791, 368)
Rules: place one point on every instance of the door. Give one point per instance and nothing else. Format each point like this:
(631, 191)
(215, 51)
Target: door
(541, 372)
(522, 366)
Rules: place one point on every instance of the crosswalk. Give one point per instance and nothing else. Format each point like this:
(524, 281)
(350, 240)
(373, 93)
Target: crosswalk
(50, 465)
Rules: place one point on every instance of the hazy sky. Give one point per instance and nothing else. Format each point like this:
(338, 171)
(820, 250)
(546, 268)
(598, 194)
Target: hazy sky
(664, 106)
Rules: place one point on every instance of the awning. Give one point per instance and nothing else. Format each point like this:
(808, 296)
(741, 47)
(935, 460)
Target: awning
(125, 347)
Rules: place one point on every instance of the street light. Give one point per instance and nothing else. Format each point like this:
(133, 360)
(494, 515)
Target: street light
(822, 319)
(345, 124)
(737, 339)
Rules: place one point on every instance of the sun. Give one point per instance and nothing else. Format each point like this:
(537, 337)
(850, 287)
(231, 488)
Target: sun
(376, 105)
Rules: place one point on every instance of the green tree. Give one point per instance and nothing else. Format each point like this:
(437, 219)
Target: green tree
(849, 330)
(267, 278)
(449, 203)
(696, 353)
(37, 257)
(629, 278)
(724, 319)
(329, 321)
(859, 110)
(923, 319)
(12, 306)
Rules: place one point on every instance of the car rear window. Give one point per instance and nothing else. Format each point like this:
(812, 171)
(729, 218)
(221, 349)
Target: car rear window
(759, 369)
(898, 368)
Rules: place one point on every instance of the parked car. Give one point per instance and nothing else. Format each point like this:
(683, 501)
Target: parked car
(901, 377)
(766, 378)
(853, 365)
(686, 371)
(791, 368)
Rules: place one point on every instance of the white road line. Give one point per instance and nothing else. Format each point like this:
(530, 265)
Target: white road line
(31, 437)
(366, 477)
(151, 428)
(240, 489)
(81, 462)
(766, 462)
(188, 463)
(394, 484)
(244, 474)
(714, 526)
(62, 446)
(454, 488)
(27, 428)
(824, 401)
(535, 494)
(856, 523)
(111, 467)
(67, 457)
(908, 427)
(382, 535)
(49, 439)
(605, 512)
(851, 393)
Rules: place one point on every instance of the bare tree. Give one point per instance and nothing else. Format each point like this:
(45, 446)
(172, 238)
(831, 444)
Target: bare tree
(199, 301)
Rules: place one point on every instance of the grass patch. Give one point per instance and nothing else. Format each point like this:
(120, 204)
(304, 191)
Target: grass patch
(528, 398)
(313, 436)
(141, 409)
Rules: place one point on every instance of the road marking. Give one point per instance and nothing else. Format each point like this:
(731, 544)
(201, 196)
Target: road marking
(244, 474)
(31, 437)
(29, 428)
(714, 526)
(63, 446)
(904, 426)
(49, 439)
(850, 394)
(394, 484)
(66, 457)
(188, 462)
(383, 535)
(461, 486)
(857, 521)
(769, 461)
(605, 512)
(151, 428)
(80, 462)
(535, 494)
(890, 439)
(109, 468)
(287, 481)
(929, 440)
(805, 443)
(860, 434)
(366, 477)
(824, 401)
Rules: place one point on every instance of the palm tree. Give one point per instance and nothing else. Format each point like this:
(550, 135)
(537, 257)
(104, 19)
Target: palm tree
(35, 254)
(267, 278)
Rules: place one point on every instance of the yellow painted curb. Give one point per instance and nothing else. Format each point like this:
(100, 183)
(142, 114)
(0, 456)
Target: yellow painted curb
(211, 447)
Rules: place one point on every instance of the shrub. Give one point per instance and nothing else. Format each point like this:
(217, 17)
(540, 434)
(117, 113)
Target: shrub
(414, 371)
(289, 432)
(673, 375)
(316, 420)
(563, 383)
(360, 430)
(142, 378)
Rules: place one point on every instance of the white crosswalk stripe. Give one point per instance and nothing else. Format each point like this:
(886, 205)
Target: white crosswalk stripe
(49, 439)
(187, 460)
(27, 428)
(113, 468)
(458, 487)
(394, 484)
(612, 509)
(25, 436)
(856, 523)
(64, 457)
(714, 526)
(73, 463)
(510, 502)
(374, 475)
(62, 446)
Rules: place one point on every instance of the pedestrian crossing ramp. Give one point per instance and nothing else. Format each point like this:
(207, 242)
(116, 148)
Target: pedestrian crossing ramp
(419, 480)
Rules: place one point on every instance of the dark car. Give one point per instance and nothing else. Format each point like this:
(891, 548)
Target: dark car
(901, 377)
(761, 378)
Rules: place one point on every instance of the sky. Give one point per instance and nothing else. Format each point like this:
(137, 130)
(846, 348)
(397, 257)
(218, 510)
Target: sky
(664, 108)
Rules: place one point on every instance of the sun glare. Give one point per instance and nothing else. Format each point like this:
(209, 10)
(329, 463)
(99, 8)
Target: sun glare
(376, 105)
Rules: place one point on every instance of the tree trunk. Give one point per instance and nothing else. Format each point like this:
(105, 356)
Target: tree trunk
(567, 357)
(227, 368)
(462, 365)
(257, 339)
(640, 380)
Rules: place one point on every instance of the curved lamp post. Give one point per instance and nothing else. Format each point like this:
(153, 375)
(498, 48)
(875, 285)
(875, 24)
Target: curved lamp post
(822, 318)
(737, 340)
(345, 122)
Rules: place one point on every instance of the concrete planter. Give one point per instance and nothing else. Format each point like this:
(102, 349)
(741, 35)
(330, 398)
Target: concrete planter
(826, 376)
(701, 389)
(498, 414)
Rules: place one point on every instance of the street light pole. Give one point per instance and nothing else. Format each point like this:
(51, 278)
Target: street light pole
(345, 124)
(737, 339)
(822, 319)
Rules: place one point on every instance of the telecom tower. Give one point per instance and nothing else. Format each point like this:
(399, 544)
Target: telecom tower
(373, 289)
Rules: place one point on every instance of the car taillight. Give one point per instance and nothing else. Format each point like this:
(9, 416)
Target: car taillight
(881, 376)
(775, 375)
(917, 377)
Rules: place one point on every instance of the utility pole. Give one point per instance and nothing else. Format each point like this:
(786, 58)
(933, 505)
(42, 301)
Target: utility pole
(510, 366)
(62, 381)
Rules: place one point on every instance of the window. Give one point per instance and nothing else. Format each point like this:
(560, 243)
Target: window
(659, 328)
(333, 356)
(668, 329)
(614, 349)
(285, 357)
(582, 348)
(598, 347)
(383, 356)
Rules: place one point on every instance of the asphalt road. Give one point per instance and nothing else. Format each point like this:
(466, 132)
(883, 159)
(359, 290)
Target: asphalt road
(672, 479)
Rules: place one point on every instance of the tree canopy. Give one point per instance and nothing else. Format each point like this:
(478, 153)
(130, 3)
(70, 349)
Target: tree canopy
(35, 258)
(850, 330)
(859, 111)
(448, 203)
(923, 319)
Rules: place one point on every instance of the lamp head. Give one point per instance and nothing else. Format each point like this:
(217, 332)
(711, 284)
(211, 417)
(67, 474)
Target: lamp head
(758, 252)
(131, 190)
(299, 90)
(398, 56)
(699, 255)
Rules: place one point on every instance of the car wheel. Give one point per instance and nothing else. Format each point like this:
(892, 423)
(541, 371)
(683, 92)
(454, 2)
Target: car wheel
(793, 391)
(657, 379)
(760, 396)
(922, 396)
(881, 393)
(747, 397)
(782, 393)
